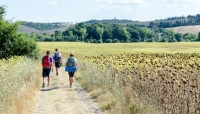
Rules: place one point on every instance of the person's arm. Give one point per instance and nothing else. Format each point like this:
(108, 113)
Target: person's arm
(76, 62)
(67, 62)
(60, 58)
(51, 64)
(42, 59)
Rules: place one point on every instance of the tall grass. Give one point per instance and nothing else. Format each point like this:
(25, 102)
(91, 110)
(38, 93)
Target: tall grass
(16, 75)
(107, 88)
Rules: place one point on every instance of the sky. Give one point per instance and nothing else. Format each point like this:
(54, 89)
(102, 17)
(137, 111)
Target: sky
(84, 10)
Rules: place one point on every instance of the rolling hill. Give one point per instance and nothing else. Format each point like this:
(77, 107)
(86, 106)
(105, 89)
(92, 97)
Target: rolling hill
(25, 29)
(194, 29)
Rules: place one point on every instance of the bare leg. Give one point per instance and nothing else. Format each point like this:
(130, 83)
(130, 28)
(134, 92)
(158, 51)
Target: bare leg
(70, 81)
(57, 71)
(43, 83)
(48, 80)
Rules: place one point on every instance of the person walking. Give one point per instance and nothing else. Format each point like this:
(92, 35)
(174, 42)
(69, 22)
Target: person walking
(47, 64)
(58, 60)
(71, 62)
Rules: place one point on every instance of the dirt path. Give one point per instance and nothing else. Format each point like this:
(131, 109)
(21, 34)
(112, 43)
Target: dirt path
(59, 98)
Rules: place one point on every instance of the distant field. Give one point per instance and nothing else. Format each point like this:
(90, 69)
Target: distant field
(25, 29)
(119, 48)
(187, 29)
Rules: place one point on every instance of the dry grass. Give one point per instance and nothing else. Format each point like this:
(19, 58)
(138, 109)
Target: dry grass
(19, 81)
(194, 29)
(110, 93)
(26, 104)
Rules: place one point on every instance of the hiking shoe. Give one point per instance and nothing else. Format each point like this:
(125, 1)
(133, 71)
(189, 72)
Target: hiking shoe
(43, 85)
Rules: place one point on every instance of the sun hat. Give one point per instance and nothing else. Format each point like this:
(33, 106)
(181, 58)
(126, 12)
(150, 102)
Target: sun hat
(71, 54)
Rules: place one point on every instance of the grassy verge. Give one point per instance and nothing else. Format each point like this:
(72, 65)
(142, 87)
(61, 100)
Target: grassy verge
(19, 80)
(108, 90)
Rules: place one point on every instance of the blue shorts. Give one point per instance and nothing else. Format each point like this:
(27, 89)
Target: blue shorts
(46, 72)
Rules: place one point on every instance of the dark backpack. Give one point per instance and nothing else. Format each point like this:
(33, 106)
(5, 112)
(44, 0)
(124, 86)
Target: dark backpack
(56, 56)
(71, 62)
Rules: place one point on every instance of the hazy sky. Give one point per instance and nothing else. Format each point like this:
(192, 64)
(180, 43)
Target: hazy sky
(84, 10)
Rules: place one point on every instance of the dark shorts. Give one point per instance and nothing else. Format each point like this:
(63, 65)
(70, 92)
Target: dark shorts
(46, 72)
(71, 74)
(57, 64)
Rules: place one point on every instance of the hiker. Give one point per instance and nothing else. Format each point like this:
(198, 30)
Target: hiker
(47, 64)
(71, 62)
(58, 60)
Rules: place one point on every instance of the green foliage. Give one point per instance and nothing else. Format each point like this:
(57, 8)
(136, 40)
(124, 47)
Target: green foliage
(108, 41)
(112, 21)
(106, 33)
(44, 26)
(190, 37)
(2, 11)
(13, 43)
(176, 21)
(198, 39)
(115, 40)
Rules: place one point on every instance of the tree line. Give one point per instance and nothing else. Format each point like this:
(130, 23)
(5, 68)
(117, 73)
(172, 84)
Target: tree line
(114, 33)
(45, 26)
(176, 21)
(109, 21)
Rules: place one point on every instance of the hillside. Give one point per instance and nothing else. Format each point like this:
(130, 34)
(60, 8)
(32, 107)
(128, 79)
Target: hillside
(195, 29)
(25, 29)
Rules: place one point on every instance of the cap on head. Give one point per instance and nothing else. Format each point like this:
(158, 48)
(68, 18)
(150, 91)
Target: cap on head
(56, 49)
(71, 54)
(48, 52)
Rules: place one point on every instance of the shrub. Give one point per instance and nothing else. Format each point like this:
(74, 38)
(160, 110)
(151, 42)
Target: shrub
(108, 40)
(115, 40)
(94, 41)
(163, 40)
(13, 43)
(99, 41)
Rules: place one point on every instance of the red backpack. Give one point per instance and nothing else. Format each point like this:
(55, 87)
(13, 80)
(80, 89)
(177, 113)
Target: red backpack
(46, 62)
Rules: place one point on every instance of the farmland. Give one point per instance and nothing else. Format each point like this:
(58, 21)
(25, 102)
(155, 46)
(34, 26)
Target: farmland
(161, 75)
(120, 48)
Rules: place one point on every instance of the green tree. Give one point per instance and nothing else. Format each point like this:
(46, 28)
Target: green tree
(33, 35)
(12, 43)
(2, 12)
(126, 35)
(58, 34)
(99, 32)
(83, 33)
(143, 33)
(190, 37)
(178, 37)
(198, 39)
